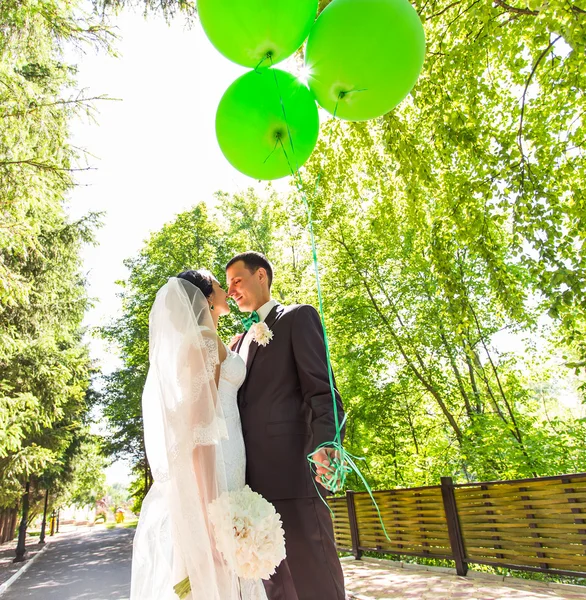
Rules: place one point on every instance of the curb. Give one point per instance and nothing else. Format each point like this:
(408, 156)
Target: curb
(22, 570)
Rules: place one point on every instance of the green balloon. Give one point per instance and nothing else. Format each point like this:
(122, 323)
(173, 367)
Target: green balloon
(364, 56)
(252, 130)
(247, 31)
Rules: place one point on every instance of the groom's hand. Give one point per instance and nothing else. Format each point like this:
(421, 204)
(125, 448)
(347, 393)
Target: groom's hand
(323, 459)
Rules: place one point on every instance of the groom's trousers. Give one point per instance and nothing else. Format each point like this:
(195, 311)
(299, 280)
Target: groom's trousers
(312, 569)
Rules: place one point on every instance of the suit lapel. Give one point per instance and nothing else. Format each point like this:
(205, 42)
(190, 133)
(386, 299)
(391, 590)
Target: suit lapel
(272, 316)
(239, 343)
(253, 348)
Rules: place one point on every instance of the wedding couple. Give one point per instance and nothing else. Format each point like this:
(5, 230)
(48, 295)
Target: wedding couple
(217, 418)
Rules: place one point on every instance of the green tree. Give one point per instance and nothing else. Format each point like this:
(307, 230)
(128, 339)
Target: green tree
(87, 479)
(45, 369)
(425, 396)
(118, 496)
(192, 241)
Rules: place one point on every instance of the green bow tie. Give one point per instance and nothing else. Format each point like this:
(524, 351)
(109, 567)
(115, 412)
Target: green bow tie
(248, 322)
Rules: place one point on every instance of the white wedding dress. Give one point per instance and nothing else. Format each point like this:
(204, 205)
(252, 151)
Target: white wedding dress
(194, 444)
(232, 375)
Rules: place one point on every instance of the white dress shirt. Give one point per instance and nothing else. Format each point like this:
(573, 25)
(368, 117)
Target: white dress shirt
(263, 313)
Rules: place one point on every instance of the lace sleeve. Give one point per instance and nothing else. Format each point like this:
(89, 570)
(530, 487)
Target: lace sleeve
(208, 435)
(212, 358)
(197, 381)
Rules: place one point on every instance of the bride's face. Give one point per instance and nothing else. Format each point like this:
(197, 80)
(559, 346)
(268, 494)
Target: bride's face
(219, 300)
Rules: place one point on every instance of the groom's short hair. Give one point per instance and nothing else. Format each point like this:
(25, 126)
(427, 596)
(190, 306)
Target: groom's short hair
(253, 261)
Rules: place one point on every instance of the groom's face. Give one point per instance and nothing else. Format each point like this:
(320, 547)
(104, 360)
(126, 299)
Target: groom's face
(244, 286)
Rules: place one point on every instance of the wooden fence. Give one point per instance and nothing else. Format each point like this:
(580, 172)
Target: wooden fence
(529, 524)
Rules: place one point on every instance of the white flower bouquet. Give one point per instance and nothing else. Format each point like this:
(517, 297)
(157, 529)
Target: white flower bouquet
(248, 533)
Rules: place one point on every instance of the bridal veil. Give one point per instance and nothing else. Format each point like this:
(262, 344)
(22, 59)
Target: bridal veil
(183, 426)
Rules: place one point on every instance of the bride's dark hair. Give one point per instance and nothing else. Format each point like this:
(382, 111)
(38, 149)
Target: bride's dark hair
(201, 279)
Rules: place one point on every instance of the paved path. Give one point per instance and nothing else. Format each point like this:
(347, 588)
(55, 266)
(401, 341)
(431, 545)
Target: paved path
(382, 580)
(7, 554)
(87, 565)
(93, 564)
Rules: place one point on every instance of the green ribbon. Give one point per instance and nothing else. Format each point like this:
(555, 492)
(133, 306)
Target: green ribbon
(248, 322)
(341, 462)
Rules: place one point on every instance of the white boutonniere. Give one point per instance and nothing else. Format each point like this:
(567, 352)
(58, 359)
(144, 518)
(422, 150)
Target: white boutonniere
(260, 333)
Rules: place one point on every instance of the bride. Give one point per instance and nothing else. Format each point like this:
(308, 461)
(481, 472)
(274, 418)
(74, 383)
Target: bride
(194, 445)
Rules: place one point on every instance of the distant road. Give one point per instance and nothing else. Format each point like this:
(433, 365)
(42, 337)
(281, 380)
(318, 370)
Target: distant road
(93, 564)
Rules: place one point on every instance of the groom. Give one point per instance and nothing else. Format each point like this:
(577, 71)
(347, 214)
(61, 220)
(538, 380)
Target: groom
(286, 410)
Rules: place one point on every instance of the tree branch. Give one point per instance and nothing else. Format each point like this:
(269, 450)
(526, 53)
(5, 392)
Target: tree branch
(32, 108)
(427, 384)
(524, 97)
(441, 12)
(31, 162)
(514, 9)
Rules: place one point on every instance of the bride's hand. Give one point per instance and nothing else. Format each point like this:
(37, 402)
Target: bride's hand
(234, 341)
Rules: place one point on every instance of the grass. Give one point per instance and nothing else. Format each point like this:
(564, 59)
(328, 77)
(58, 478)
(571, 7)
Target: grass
(126, 525)
(434, 562)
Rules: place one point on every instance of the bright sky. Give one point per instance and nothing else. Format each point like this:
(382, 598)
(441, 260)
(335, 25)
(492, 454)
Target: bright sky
(155, 150)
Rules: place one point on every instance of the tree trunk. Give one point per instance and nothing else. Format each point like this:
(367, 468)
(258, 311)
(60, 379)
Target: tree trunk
(516, 430)
(44, 525)
(412, 428)
(4, 521)
(456, 371)
(473, 383)
(420, 374)
(479, 368)
(21, 546)
(12, 529)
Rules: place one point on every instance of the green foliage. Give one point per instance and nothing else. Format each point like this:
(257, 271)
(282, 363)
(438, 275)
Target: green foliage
(426, 396)
(423, 299)
(168, 8)
(44, 365)
(87, 479)
(118, 496)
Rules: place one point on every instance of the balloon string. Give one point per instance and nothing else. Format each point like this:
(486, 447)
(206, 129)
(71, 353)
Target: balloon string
(342, 94)
(299, 184)
(268, 55)
(342, 463)
(284, 115)
(272, 151)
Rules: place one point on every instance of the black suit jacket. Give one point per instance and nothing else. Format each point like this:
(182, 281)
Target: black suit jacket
(286, 404)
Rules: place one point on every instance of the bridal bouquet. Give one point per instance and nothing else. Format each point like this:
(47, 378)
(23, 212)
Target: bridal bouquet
(248, 534)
